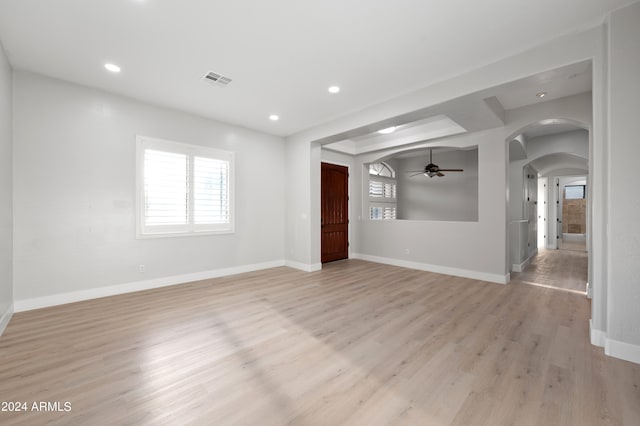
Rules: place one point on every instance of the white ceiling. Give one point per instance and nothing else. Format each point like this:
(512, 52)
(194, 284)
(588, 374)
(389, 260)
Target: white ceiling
(569, 80)
(282, 54)
(557, 83)
(552, 128)
(437, 126)
(561, 164)
(477, 111)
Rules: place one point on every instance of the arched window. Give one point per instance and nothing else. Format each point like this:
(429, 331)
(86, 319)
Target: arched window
(381, 169)
(382, 192)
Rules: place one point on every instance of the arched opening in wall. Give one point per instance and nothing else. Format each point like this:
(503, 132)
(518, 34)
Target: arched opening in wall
(549, 203)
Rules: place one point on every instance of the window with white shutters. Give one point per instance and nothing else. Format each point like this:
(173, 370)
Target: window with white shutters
(183, 189)
(378, 189)
(382, 192)
(382, 212)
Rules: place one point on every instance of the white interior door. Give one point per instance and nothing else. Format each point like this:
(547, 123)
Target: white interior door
(543, 195)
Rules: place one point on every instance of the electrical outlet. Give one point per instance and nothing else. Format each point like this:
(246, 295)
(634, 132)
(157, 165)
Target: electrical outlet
(407, 251)
(141, 268)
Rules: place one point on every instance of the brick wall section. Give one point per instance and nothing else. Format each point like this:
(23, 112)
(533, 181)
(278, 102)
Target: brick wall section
(574, 220)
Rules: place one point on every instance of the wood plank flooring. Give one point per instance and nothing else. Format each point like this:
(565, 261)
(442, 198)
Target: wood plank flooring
(572, 245)
(357, 343)
(564, 269)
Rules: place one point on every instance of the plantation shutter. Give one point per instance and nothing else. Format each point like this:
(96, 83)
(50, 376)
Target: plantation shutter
(183, 189)
(380, 189)
(211, 191)
(166, 188)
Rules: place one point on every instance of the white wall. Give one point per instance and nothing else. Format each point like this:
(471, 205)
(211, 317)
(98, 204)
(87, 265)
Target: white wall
(519, 252)
(74, 191)
(453, 197)
(303, 172)
(517, 213)
(473, 249)
(6, 192)
(515, 206)
(623, 325)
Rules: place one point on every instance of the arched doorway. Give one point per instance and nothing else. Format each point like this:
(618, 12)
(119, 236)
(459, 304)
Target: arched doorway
(544, 158)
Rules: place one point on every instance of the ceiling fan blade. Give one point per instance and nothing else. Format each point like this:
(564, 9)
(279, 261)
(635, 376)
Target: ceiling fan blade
(450, 170)
(415, 171)
(416, 174)
(440, 174)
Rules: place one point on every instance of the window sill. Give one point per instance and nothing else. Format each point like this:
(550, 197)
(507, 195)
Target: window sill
(183, 234)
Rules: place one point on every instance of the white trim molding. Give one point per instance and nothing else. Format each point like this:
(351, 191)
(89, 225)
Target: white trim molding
(614, 348)
(313, 267)
(598, 337)
(520, 267)
(622, 350)
(465, 273)
(5, 318)
(95, 293)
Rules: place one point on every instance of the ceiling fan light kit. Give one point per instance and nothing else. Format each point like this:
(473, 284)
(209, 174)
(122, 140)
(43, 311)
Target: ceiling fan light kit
(432, 170)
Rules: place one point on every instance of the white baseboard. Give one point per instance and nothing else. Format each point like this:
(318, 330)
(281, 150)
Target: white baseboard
(465, 273)
(520, 267)
(94, 293)
(574, 237)
(5, 318)
(303, 266)
(598, 337)
(614, 348)
(622, 350)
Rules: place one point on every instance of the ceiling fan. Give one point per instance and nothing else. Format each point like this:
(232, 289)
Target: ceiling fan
(431, 169)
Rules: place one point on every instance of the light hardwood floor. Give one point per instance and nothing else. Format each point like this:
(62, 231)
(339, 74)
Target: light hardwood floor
(356, 343)
(572, 245)
(565, 269)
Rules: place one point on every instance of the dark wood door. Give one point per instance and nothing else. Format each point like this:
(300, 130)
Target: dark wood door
(334, 212)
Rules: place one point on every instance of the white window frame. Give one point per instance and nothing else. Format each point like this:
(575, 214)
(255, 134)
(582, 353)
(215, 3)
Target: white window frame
(584, 192)
(190, 229)
(387, 208)
(386, 200)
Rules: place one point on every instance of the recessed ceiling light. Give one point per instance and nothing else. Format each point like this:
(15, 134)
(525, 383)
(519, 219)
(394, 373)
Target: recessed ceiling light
(334, 89)
(387, 130)
(112, 67)
(274, 117)
(541, 94)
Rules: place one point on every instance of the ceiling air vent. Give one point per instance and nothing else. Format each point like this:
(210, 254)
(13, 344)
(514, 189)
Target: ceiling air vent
(217, 79)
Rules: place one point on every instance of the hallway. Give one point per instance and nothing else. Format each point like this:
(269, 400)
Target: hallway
(562, 269)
